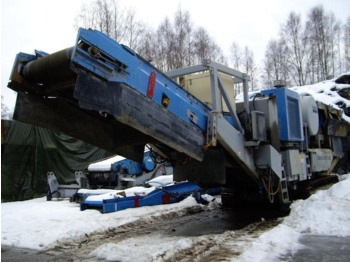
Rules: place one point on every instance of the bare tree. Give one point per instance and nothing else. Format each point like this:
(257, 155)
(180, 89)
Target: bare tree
(274, 63)
(133, 29)
(108, 17)
(146, 47)
(346, 38)
(309, 54)
(322, 29)
(183, 30)
(249, 67)
(119, 14)
(236, 56)
(205, 47)
(182, 44)
(334, 29)
(103, 15)
(293, 37)
(166, 45)
(5, 111)
(173, 45)
(243, 60)
(202, 46)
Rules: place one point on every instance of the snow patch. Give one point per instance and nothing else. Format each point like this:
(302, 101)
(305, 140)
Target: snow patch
(327, 93)
(39, 224)
(271, 245)
(324, 213)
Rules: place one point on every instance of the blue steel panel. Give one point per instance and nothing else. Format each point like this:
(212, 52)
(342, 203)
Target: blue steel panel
(120, 64)
(153, 199)
(289, 121)
(117, 206)
(109, 208)
(182, 188)
(23, 57)
(177, 191)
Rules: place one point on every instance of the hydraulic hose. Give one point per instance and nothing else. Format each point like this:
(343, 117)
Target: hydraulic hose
(269, 189)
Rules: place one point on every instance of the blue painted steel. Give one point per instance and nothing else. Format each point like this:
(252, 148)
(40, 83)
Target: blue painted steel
(148, 163)
(88, 203)
(40, 53)
(22, 57)
(28, 58)
(129, 166)
(165, 195)
(289, 117)
(135, 168)
(118, 63)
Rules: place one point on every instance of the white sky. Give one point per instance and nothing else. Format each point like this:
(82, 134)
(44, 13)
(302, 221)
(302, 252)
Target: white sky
(38, 224)
(48, 25)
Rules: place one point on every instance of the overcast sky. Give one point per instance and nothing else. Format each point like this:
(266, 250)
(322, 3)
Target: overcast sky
(48, 25)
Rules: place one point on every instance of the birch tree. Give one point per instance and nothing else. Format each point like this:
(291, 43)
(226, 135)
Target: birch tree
(322, 29)
(346, 38)
(243, 61)
(110, 18)
(274, 67)
(292, 34)
(205, 47)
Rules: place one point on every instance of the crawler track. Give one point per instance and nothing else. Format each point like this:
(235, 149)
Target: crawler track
(309, 187)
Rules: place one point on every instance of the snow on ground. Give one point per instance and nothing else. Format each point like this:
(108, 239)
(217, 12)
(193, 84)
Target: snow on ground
(271, 245)
(38, 223)
(325, 213)
(328, 212)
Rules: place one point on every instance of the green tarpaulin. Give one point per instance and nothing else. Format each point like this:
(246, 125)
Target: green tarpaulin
(29, 152)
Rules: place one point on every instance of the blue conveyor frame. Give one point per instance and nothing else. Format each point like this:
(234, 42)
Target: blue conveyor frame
(165, 195)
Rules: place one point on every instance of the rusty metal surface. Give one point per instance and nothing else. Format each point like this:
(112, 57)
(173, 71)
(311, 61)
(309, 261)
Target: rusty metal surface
(337, 128)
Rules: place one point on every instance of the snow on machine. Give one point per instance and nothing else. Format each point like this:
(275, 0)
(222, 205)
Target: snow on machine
(120, 173)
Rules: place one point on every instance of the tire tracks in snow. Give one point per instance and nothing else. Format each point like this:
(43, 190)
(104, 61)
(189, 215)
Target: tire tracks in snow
(210, 234)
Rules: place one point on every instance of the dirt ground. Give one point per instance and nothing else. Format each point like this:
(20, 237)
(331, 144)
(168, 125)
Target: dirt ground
(246, 223)
(195, 222)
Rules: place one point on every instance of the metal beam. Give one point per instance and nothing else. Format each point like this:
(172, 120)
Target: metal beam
(215, 92)
(225, 69)
(245, 96)
(186, 71)
(229, 104)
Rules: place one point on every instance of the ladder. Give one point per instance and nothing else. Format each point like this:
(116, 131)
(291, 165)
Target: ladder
(284, 195)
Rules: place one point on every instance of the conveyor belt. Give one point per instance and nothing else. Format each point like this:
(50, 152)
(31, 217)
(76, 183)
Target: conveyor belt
(52, 71)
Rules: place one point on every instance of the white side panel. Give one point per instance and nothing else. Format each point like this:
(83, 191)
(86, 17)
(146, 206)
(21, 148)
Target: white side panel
(199, 86)
(321, 159)
(267, 156)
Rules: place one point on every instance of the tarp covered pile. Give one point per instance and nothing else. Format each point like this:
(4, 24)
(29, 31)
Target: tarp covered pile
(29, 152)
